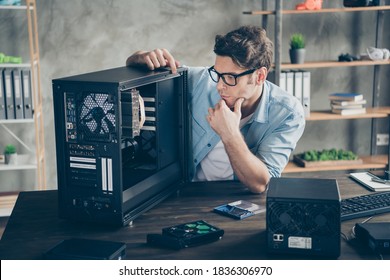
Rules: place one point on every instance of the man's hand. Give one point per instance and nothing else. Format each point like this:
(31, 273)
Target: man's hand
(224, 121)
(249, 169)
(153, 59)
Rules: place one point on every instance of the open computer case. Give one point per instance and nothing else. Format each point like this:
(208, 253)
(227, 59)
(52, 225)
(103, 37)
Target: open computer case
(122, 136)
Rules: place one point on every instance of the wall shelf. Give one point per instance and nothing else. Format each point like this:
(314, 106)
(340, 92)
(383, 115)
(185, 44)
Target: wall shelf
(17, 121)
(369, 162)
(15, 65)
(8, 167)
(332, 64)
(321, 11)
(372, 113)
(9, 7)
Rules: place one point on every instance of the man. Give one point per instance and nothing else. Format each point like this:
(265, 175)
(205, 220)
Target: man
(244, 127)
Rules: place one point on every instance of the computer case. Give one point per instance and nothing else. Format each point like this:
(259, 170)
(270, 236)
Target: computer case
(303, 217)
(122, 136)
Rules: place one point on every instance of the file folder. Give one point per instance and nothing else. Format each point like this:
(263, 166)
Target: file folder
(306, 93)
(290, 82)
(2, 97)
(18, 101)
(298, 85)
(8, 92)
(282, 80)
(27, 98)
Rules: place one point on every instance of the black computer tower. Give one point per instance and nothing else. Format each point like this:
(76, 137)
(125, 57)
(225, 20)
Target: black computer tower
(303, 217)
(121, 139)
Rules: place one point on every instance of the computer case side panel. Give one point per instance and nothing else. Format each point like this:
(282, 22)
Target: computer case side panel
(170, 109)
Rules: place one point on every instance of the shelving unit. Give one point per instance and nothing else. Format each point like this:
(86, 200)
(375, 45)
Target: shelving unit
(333, 10)
(369, 162)
(328, 64)
(6, 125)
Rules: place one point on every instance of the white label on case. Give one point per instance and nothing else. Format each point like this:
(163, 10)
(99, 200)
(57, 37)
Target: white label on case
(299, 242)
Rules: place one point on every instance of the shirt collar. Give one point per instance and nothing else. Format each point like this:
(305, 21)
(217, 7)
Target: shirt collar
(261, 113)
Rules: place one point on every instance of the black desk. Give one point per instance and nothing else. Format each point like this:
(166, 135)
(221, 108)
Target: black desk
(34, 226)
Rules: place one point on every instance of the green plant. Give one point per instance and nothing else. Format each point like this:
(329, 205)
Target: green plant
(331, 154)
(10, 149)
(297, 41)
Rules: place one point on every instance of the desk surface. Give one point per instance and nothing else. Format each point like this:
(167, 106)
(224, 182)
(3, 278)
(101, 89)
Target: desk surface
(34, 226)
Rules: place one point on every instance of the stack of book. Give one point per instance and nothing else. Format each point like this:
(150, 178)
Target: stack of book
(347, 103)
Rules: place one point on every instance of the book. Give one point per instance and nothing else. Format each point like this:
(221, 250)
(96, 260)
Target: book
(346, 96)
(352, 106)
(347, 103)
(364, 178)
(346, 112)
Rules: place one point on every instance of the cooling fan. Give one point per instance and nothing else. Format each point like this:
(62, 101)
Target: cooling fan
(285, 217)
(97, 117)
(321, 220)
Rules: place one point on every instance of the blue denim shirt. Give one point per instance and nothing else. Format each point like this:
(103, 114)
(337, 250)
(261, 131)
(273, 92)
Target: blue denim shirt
(271, 134)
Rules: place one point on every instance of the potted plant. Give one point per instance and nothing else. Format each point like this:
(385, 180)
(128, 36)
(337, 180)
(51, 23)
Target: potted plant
(297, 48)
(11, 157)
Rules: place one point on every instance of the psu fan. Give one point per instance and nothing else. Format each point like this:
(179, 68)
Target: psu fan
(303, 217)
(97, 117)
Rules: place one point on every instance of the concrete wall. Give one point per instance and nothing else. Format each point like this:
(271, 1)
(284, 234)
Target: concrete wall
(84, 36)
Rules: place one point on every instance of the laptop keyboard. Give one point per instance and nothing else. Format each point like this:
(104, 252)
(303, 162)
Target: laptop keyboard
(365, 205)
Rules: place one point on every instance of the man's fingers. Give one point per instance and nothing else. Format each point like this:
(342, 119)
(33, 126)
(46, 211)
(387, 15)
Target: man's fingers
(153, 58)
(170, 60)
(237, 105)
(149, 62)
(221, 104)
(160, 57)
(156, 59)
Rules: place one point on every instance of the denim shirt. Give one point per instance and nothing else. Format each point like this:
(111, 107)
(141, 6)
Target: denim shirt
(271, 134)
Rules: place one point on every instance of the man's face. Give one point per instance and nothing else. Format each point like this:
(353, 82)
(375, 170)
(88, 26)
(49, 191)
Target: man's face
(246, 85)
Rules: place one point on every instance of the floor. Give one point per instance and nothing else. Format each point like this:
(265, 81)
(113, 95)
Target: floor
(3, 223)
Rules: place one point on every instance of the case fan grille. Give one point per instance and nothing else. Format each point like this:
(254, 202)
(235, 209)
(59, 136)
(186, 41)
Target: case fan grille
(97, 117)
(305, 219)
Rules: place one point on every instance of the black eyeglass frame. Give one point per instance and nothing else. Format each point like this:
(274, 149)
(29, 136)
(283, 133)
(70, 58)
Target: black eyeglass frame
(222, 75)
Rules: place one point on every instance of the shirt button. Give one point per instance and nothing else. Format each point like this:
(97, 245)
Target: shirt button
(195, 160)
(208, 145)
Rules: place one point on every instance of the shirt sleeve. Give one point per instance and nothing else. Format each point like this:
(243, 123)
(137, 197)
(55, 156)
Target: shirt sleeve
(276, 148)
(275, 128)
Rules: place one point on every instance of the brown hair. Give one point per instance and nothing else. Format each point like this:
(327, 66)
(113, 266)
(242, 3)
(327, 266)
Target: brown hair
(248, 47)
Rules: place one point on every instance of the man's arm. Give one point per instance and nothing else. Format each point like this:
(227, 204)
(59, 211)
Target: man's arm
(153, 59)
(250, 170)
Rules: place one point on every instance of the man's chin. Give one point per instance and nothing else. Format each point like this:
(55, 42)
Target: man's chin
(229, 103)
(231, 106)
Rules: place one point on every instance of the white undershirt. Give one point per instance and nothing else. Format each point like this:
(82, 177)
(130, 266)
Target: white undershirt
(216, 165)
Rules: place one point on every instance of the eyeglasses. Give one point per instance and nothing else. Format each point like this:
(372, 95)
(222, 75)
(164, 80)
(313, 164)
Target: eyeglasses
(228, 78)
